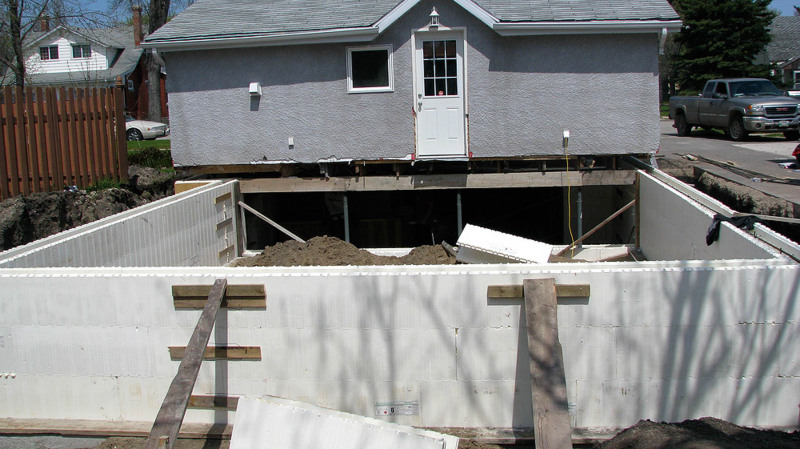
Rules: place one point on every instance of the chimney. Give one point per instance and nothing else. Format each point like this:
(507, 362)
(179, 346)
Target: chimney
(44, 24)
(137, 25)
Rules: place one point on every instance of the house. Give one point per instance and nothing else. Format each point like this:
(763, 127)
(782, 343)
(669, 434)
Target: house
(784, 49)
(83, 57)
(424, 88)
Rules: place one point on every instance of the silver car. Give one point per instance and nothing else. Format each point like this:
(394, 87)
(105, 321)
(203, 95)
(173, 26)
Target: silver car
(144, 129)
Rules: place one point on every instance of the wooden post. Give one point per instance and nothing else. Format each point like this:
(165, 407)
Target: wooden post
(121, 140)
(170, 416)
(548, 383)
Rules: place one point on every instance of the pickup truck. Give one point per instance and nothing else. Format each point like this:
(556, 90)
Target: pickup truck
(739, 106)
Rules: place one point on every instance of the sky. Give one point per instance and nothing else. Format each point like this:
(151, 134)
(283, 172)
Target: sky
(786, 7)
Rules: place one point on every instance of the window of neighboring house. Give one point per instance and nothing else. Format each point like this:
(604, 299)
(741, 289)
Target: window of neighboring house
(81, 51)
(48, 53)
(796, 83)
(369, 69)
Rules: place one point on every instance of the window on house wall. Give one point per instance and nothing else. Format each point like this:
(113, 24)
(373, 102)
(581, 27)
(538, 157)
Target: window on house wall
(369, 69)
(81, 51)
(48, 53)
(796, 81)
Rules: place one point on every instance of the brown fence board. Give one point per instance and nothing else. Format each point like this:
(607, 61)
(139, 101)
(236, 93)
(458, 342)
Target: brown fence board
(50, 137)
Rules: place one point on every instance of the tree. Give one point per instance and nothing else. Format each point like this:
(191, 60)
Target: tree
(797, 10)
(720, 38)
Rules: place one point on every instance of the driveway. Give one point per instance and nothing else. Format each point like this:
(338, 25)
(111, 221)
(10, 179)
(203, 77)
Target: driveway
(758, 155)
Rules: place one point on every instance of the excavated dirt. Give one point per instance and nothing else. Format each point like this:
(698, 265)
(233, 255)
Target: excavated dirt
(24, 219)
(331, 251)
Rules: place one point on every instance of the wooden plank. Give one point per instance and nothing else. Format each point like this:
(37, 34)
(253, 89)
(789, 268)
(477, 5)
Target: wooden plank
(43, 106)
(78, 123)
(22, 146)
(35, 121)
(219, 352)
(223, 197)
(214, 402)
(106, 134)
(517, 291)
(439, 182)
(122, 141)
(270, 221)
(224, 223)
(225, 251)
(597, 228)
(232, 303)
(58, 168)
(170, 416)
(94, 134)
(548, 383)
(233, 291)
(10, 140)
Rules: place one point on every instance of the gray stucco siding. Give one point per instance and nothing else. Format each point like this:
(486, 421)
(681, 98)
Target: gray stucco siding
(522, 92)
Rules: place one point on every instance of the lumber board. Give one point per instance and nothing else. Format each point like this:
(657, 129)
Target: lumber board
(227, 303)
(224, 223)
(170, 415)
(516, 291)
(213, 402)
(223, 197)
(233, 291)
(551, 424)
(219, 352)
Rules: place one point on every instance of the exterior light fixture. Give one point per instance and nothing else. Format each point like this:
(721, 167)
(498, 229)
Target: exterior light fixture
(434, 18)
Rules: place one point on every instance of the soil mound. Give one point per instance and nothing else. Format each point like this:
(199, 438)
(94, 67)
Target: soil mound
(331, 251)
(703, 433)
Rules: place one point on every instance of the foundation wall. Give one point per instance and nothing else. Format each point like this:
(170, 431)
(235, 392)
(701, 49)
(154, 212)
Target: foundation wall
(655, 340)
(176, 231)
(673, 227)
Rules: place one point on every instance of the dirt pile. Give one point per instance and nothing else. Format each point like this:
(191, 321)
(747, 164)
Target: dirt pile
(24, 219)
(703, 433)
(331, 251)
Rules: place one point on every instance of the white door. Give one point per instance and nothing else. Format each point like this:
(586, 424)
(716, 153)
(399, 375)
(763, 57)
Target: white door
(439, 90)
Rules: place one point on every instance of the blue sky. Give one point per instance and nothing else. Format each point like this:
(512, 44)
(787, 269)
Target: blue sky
(786, 7)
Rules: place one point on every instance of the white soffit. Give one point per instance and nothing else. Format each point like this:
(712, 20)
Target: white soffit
(276, 423)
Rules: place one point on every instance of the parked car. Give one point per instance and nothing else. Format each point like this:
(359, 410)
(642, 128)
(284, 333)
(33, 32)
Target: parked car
(738, 106)
(144, 129)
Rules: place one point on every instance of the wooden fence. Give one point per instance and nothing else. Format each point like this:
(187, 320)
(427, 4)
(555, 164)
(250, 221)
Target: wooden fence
(56, 137)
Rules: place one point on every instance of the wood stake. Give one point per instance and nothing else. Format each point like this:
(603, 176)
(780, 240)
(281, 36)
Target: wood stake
(548, 383)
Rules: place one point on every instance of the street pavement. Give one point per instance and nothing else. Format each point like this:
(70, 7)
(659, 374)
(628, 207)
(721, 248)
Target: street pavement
(758, 154)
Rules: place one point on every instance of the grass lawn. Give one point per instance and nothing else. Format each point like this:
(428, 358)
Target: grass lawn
(163, 144)
(664, 109)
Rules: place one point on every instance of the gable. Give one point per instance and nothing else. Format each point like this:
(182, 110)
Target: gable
(283, 22)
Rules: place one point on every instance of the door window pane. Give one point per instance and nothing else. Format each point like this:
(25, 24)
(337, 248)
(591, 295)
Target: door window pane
(439, 59)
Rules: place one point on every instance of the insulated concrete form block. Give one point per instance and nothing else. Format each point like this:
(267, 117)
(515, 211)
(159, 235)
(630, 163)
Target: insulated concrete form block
(175, 231)
(673, 227)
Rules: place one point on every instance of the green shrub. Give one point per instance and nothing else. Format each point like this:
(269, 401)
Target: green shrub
(150, 157)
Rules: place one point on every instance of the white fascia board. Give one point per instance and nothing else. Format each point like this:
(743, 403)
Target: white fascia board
(591, 27)
(296, 38)
(43, 36)
(399, 10)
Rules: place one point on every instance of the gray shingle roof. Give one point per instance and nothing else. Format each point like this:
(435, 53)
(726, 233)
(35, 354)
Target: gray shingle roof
(785, 43)
(253, 18)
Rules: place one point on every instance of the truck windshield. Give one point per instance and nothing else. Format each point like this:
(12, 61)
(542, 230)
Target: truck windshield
(755, 88)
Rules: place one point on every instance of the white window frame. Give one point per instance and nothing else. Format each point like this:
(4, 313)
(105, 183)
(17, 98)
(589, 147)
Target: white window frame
(795, 79)
(87, 47)
(389, 62)
(49, 53)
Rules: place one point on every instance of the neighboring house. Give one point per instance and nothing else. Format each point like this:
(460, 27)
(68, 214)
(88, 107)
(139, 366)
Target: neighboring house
(784, 49)
(346, 80)
(82, 57)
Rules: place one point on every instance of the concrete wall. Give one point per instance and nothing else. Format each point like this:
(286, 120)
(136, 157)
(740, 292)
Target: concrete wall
(175, 231)
(674, 228)
(656, 340)
(522, 92)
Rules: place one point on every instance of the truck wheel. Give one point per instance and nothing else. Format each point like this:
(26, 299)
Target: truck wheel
(792, 135)
(682, 126)
(736, 130)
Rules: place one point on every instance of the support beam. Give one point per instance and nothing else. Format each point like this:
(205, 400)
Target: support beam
(598, 227)
(548, 383)
(439, 182)
(170, 416)
(270, 221)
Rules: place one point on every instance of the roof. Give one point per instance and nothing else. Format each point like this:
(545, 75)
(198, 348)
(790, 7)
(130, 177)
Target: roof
(785, 44)
(249, 22)
(122, 64)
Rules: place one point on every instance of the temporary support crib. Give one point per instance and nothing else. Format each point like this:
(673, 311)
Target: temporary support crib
(92, 321)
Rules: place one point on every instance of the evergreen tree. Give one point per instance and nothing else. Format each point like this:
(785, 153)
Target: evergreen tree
(720, 38)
